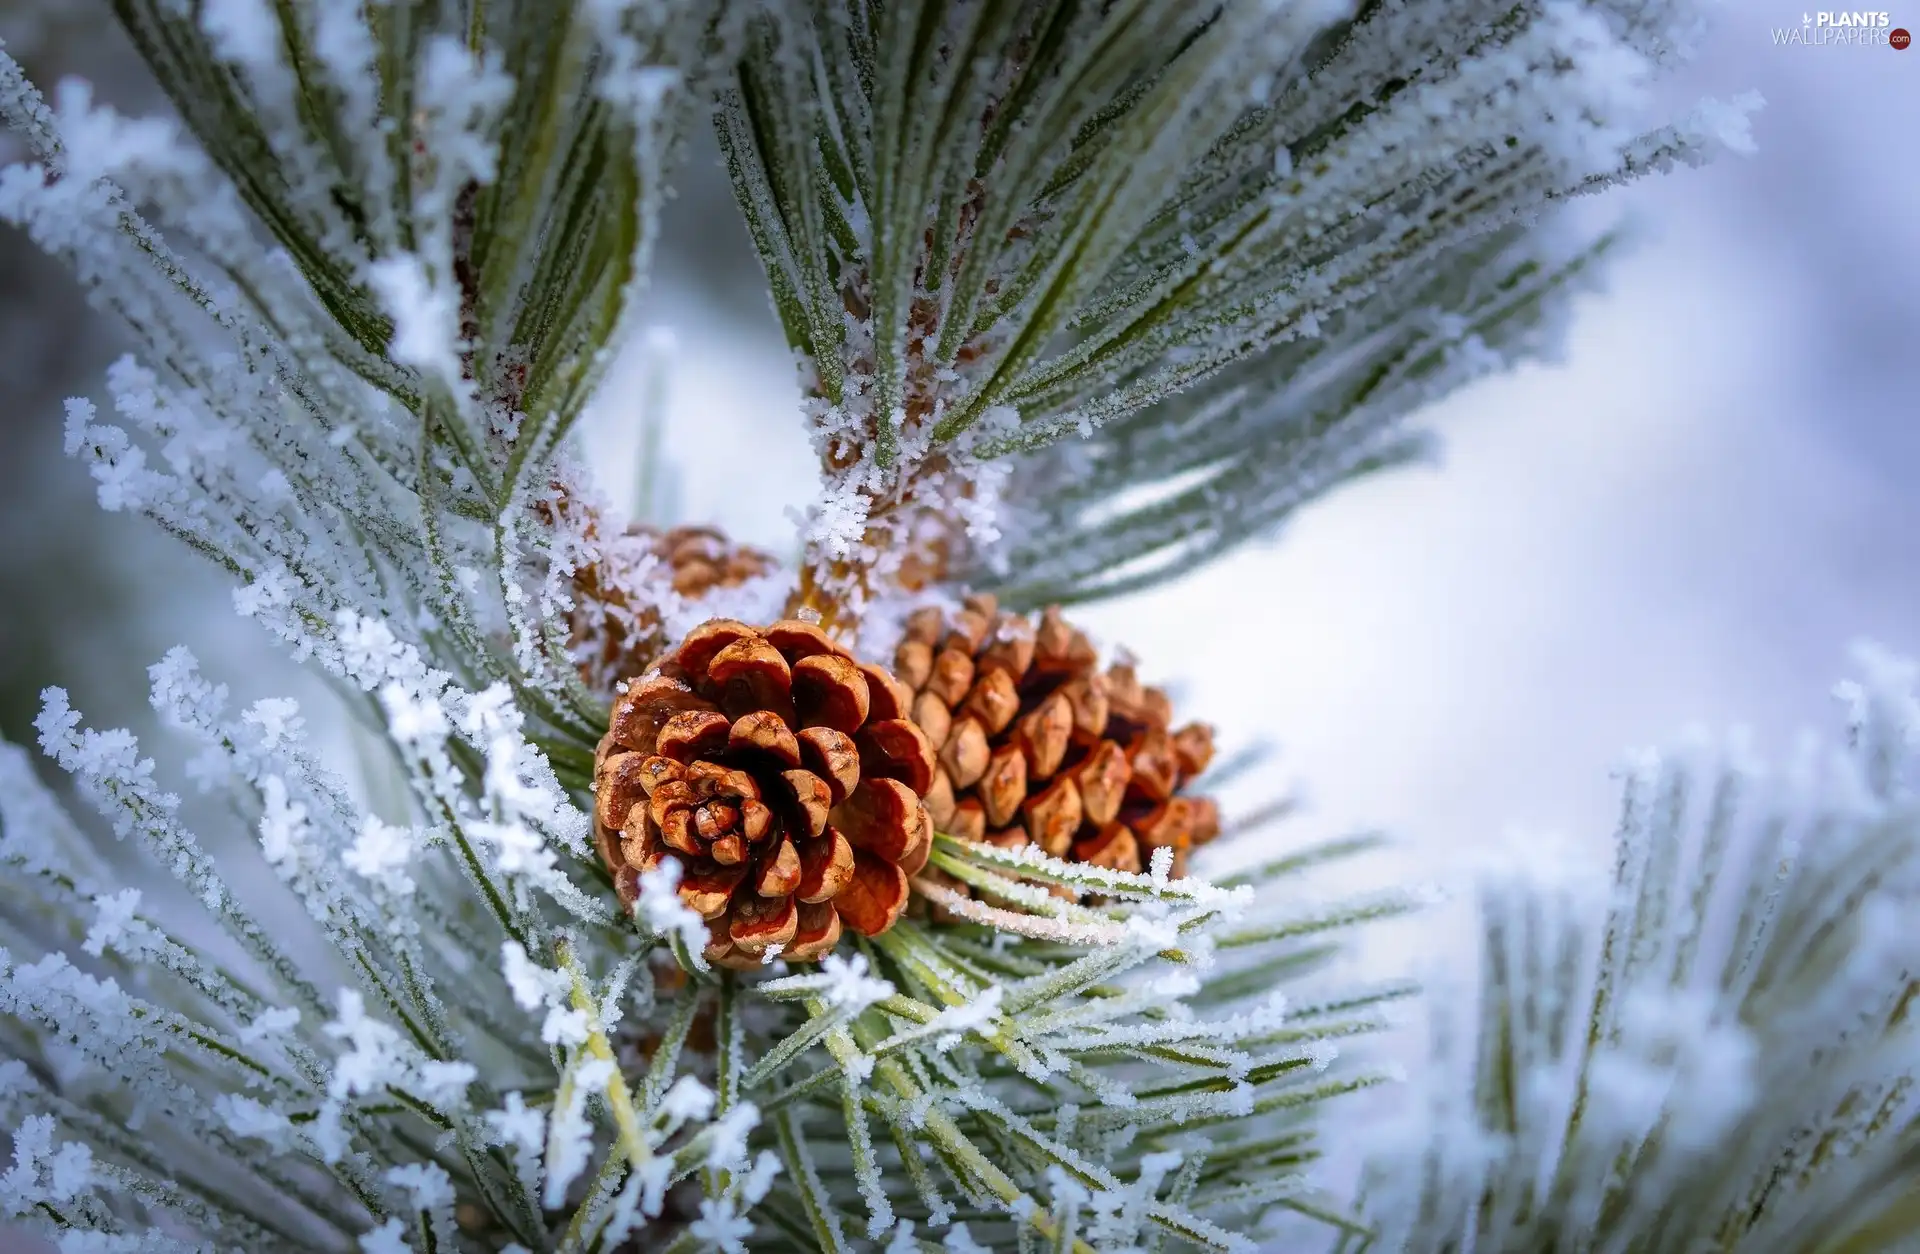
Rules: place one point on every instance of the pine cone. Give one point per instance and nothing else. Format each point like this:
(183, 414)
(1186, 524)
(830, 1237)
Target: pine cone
(703, 558)
(612, 632)
(784, 776)
(1035, 745)
(610, 635)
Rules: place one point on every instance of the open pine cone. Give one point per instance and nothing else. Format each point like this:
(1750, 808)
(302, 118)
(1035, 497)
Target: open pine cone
(784, 777)
(1036, 745)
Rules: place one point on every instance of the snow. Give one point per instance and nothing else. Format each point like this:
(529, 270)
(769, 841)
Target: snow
(277, 719)
(114, 925)
(719, 1225)
(426, 317)
(464, 97)
(249, 1119)
(976, 1015)
(242, 31)
(42, 1173)
(389, 1238)
(373, 1053)
(381, 852)
(1727, 123)
(959, 1241)
(687, 1099)
(284, 833)
(661, 911)
(427, 1185)
(849, 986)
(518, 1125)
(570, 1134)
(533, 986)
(729, 1145)
(269, 1024)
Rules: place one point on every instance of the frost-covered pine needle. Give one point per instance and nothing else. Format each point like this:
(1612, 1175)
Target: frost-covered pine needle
(1716, 1054)
(1083, 295)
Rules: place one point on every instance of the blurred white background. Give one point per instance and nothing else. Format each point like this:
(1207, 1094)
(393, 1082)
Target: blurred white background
(1687, 520)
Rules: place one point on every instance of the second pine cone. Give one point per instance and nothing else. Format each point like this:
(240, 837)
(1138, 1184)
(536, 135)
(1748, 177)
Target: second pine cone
(1037, 745)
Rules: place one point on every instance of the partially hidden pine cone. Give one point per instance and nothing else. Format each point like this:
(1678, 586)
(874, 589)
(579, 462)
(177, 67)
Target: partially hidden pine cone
(703, 558)
(613, 632)
(1036, 744)
(610, 633)
(785, 778)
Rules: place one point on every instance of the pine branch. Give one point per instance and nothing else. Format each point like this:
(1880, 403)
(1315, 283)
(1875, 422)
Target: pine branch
(495, 275)
(427, 327)
(1229, 248)
(1718, 1054)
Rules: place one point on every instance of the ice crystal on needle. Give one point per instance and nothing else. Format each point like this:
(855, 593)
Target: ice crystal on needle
(1081, 295)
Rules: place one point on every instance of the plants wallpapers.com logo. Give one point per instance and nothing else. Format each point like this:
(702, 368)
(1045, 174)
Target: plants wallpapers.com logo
(1845, 28)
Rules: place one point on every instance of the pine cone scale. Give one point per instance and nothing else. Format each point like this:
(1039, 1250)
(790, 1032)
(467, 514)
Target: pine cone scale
(763, 732)
(812, 801)
(833, 756)
(830, 691)
(966, 755)
(1102, 779)
(637, 721)
(755, 924)
(826, 864)
(939, 798)
(881, 817)
(889, 698)
(875, 894)
(816, 933)
(897, 748)
(933, 718)
(779, 871)
(1003, 785)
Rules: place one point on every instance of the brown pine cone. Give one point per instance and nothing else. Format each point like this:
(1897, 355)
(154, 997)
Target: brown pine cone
(783, 775)
(1036, 745)
(609, 635)
(703, 558)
